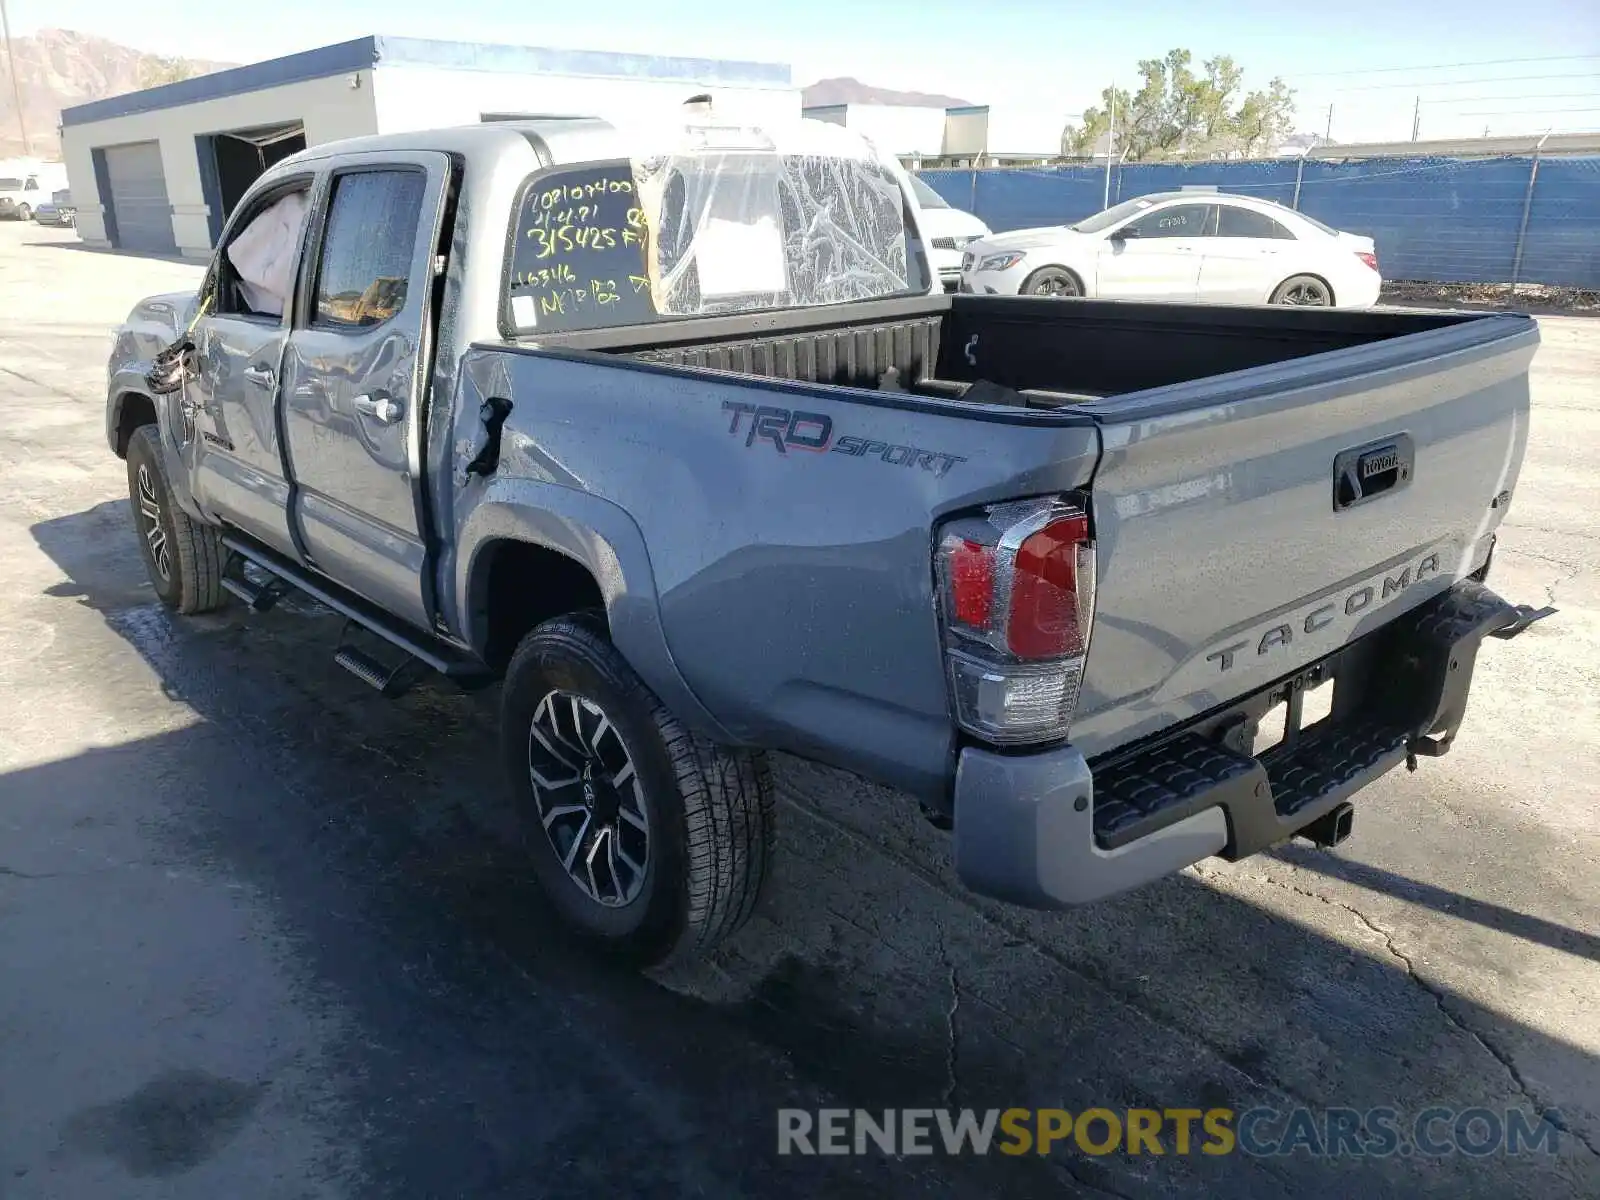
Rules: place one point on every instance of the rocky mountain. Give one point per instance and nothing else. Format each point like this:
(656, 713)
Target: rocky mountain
(58, 68)
(846, 90)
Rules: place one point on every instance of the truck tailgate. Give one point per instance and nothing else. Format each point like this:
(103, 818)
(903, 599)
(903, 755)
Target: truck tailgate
(1250, 524)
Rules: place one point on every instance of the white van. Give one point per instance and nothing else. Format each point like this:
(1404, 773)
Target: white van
(23, 187)
(948, 231)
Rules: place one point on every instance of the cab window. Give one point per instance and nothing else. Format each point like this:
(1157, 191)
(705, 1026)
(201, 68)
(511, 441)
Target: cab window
(367, 251)
(254, 274)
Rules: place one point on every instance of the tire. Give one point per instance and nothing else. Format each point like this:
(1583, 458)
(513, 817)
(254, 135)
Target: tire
(183, 557)
(24, 213)
(1306, 291)
(688, 835)
(1057, 282)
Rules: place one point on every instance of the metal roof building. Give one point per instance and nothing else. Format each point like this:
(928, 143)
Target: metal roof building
(157, 171)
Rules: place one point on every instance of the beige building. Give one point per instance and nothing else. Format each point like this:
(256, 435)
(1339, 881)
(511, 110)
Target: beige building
(158, 171)
(917, 134)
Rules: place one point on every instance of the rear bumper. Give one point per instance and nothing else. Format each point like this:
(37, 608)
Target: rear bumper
(1051, 830)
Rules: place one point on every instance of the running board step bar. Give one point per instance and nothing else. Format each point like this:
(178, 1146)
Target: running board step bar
(450, 661)
(385, 680)
(257, 597)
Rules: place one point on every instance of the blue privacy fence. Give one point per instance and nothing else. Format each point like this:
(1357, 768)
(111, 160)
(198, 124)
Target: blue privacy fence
(1441, 220)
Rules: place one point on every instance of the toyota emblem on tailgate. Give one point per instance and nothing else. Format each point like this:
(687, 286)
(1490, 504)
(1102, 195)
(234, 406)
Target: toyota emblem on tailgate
(1369, 472)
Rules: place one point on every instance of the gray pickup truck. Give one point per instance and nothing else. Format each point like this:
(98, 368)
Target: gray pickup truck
(682, 443)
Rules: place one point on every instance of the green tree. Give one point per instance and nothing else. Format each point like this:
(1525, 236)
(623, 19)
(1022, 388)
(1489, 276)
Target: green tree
(1177, 113)
(154, 70)
(1265, 119)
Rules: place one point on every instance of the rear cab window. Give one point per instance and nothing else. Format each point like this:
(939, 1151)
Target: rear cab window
(706, 233)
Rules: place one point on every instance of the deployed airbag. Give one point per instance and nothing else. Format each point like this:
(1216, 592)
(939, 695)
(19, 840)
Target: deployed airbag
(263, 255)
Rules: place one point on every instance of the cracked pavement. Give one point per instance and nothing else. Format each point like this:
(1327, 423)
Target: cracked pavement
(263, 934)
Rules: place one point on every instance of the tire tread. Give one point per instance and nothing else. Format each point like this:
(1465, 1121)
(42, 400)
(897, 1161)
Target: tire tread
(726, 795)
(198, 553)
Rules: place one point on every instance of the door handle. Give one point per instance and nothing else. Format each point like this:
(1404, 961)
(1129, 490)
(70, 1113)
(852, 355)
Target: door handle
(381, 409)
(260, 375)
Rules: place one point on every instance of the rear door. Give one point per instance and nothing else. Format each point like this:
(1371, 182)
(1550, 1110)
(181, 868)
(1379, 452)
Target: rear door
(1229, 551)
(1161, 261)
(354, 378)
(1242, 259)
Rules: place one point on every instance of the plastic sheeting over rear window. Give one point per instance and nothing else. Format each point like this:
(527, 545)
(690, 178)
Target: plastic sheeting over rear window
(706, 231)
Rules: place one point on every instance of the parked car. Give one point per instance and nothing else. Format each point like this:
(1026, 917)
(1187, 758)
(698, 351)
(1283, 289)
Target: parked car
(682, 445)
(949, 231)
(58, 210)
(22, 193)
(17, 197)
(1182, 246)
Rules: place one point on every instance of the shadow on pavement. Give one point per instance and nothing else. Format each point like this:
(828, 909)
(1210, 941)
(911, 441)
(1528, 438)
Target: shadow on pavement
(489, 1056)
(1442, 900)
(112, 252)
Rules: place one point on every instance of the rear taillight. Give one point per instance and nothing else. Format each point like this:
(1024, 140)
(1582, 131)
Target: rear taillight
(1016, 601)
(1370, 259)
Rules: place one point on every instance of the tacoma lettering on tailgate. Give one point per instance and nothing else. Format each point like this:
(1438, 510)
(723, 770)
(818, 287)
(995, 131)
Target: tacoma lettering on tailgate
(1380, 589)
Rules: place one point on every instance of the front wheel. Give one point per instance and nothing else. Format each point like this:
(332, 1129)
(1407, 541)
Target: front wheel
(25, 213)
(1057, 282)
(1303, 290)
(183, 556)
(647, 839)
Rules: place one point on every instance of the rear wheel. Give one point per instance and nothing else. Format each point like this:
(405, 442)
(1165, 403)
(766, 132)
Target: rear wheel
(1052, 281)
(1303, 290)
(648, 840)
(184, 557)
(25, 213)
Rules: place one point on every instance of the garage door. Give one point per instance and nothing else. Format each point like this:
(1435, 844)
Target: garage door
(138, 198)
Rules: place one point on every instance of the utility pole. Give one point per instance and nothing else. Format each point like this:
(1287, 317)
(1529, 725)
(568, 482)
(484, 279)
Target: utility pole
(1416, 118)
(1327, 134)
(16, 84)
(1111, 142)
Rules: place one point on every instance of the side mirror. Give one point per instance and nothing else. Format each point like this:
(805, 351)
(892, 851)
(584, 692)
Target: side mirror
(1127, 231)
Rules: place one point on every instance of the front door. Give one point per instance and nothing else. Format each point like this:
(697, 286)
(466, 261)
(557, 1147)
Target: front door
(354, 380)
(235, 457)
(1161, 258)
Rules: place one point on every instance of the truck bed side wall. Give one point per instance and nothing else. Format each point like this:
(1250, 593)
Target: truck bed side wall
(1108, 347)
(788, 529)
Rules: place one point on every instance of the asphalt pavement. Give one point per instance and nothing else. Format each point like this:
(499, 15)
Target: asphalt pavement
(266, 935)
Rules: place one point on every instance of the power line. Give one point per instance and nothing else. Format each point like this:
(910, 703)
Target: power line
(1438, 83)
(1525, 112)
(1517, 96)
(1486, 62)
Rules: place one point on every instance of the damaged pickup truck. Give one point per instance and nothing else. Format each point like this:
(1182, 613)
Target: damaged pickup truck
(675, 435)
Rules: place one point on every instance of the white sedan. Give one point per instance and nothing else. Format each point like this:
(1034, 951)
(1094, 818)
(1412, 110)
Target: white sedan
(1181, 247)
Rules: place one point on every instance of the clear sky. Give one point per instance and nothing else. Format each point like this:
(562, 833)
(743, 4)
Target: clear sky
(1035, 62)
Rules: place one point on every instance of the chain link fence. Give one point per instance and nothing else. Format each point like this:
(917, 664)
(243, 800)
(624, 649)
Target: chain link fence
(1435, 220)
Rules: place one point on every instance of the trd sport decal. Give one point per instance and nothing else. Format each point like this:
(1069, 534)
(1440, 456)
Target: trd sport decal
(790, 430)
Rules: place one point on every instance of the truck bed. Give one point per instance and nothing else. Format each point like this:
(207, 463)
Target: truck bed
(1038, 352)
